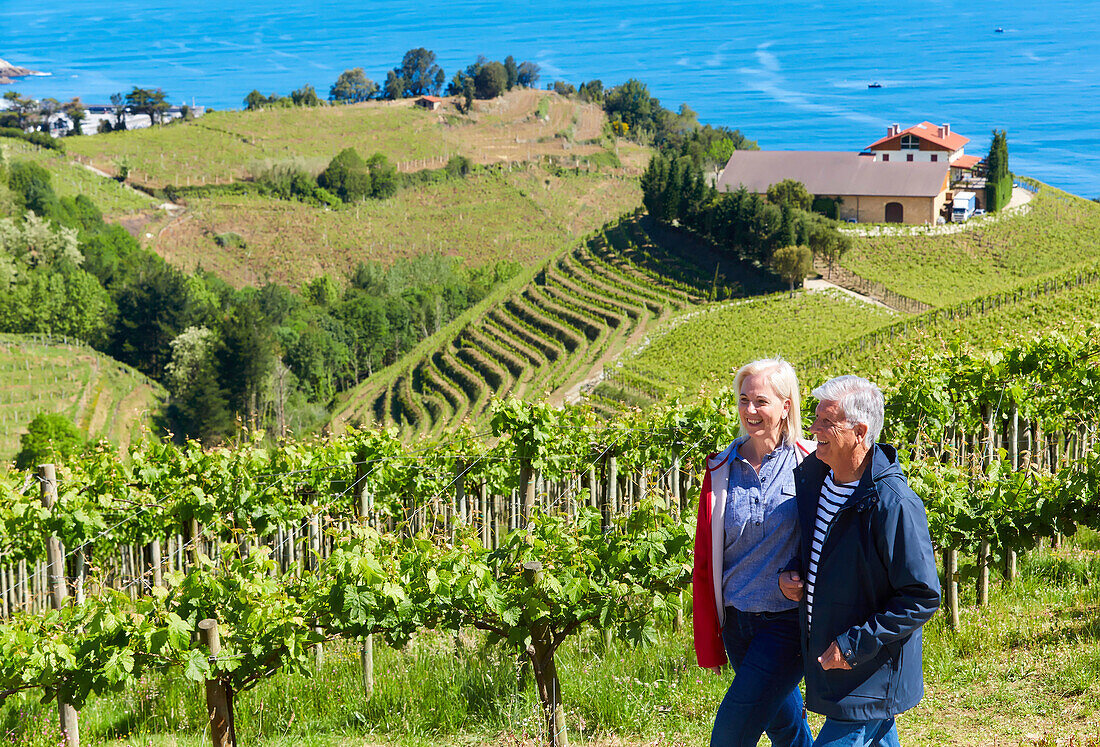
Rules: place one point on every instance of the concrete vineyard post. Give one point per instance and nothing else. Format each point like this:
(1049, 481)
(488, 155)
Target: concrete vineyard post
(219, 699)
(59, 592)
(1014, 458)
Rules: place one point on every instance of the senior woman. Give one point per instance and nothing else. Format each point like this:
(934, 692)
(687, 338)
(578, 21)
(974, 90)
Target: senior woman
(747, 531)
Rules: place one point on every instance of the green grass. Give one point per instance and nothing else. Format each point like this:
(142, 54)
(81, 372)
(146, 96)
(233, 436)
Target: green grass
(232, 144)
(1059, 232)
(1027, 665)
(70, 179)
(523, 216)
(102, 396)
(1067, 311)
(704, 348)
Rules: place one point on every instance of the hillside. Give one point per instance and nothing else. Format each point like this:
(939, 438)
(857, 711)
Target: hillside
(521, 215)
(223, 146)
(1058, 231)
(1002, 279)
(555, 331)
(103, 397)
(549, 173)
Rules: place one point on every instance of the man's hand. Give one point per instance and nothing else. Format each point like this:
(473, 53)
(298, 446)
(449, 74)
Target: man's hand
(716, 670)
(790, 584)
(832, 659)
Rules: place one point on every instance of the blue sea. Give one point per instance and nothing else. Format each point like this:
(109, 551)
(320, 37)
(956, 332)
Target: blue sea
(791, 75)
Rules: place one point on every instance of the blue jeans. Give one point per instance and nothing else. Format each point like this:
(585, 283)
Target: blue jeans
(764, 650)
(837, 733)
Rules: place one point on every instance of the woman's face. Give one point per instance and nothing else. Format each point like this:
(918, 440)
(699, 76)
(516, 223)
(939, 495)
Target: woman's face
(762, 410)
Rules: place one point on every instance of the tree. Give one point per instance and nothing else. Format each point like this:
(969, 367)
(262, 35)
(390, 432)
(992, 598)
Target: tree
(591, 91)
(255, 101)
(395, 86)
(383, 177)
(467, 94)
(197, 408)
(528, 74)
(149, 102)
(491, 81)
(511, 69)
(630, 103)
(793, 263)
(347, 176)
(76, 113)
(24, 108)
(50, 437)
(352, 87)
(790, 192)
(246, 357)
(419, 73)
(998, 184)
(48, 108)
(118, 102)
(305, 96)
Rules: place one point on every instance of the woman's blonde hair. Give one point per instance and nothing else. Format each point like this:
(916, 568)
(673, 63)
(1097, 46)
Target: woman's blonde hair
(784, 383)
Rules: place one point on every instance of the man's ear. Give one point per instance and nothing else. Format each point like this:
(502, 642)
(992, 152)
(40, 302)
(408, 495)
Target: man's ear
(860, 430)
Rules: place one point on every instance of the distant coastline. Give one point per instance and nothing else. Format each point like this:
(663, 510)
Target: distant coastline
(9, 71)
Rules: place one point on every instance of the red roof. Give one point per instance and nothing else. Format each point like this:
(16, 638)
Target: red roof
(965, 162)
(927, 131)
(433, 99)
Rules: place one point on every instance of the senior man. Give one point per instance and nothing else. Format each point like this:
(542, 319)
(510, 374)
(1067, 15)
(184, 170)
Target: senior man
(865, 573)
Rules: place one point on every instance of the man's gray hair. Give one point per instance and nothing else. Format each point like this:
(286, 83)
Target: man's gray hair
(860, 400)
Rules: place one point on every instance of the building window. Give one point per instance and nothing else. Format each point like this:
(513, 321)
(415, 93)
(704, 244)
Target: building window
(910, 142)
(908, 156)
(935, 157)
(885, 156)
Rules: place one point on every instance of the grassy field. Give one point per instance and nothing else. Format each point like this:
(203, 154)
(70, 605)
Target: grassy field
(703, 348)
(1059, 232)
(1067, 311)
(102, 396)
(71, 179)
(521, 215)
(223, 146)
(1024, 670)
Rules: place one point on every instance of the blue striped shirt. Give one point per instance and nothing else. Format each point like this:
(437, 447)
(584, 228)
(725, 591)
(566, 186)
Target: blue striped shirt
(761, 530)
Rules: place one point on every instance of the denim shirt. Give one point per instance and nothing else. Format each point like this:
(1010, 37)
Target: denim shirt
(762, 532)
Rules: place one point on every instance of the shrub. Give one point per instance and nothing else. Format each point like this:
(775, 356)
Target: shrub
(229, 238)
(50, 437)
(347, 175)
(491, 81)
(40, 139)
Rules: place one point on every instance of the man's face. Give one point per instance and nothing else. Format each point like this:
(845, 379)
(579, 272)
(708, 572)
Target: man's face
(837, 440)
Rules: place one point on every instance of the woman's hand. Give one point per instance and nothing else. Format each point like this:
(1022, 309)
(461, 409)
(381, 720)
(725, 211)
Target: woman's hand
(790, 584)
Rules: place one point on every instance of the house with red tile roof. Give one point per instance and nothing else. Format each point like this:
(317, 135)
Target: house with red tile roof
(905, 177)
(924, 142)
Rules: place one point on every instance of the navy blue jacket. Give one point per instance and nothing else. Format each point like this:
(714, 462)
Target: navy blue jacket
(876, 586)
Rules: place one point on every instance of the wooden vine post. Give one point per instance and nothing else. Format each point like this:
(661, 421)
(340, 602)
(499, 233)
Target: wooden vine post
(541, 653)
(59, 592)
(219, 698)
(366, 504)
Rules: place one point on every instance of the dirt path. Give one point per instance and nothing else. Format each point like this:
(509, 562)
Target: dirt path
(816, 285)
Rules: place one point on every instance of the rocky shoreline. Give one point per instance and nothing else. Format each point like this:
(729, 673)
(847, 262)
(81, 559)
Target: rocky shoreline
(9, 71)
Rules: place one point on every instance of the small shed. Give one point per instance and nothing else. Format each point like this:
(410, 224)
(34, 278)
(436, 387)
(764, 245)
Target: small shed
(431, 103)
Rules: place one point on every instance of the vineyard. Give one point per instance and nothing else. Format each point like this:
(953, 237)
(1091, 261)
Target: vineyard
(1060, 232)
(549, 524)
(525, 213)
(103, 397)
(577, 312)
(227, 145)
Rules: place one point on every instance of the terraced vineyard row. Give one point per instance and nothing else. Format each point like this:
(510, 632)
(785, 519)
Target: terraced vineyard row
(546, 340)
(40, 374)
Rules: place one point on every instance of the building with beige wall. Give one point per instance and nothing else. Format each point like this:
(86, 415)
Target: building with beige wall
(869, 190)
